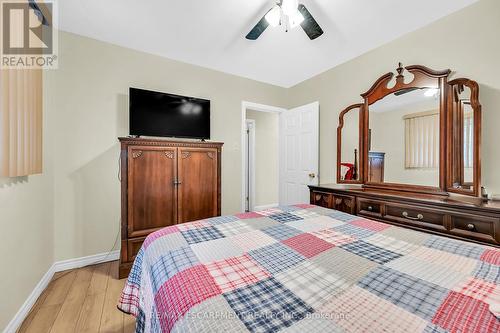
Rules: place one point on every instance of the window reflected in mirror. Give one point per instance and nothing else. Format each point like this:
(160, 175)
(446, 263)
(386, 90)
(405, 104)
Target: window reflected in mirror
(404, 138)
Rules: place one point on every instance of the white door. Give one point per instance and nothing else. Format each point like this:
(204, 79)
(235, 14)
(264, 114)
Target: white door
(299, 153)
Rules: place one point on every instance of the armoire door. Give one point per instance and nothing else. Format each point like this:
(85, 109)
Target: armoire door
(197, 190)
(151, 189)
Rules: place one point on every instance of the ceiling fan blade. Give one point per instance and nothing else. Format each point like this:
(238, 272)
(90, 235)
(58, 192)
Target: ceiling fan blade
(38, 12)
(258, 29)
(404, 91)
(310, 26)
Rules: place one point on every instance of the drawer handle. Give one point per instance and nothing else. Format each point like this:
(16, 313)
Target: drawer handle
(419, 216)
(471, 226)
(370, 208)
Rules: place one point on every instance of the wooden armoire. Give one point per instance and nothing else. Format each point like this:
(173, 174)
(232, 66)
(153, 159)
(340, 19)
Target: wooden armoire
(164, 183)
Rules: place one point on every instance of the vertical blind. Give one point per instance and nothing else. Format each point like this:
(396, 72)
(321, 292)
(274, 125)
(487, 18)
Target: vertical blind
(422, 140)
(20, 122)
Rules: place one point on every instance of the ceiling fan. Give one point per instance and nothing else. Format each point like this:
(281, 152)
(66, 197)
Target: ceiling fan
(290, 14)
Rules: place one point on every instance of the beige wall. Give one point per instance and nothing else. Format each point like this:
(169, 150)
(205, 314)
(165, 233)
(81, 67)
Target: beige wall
(89, 97)
(266, 157)
(466, 42)
(26, 220)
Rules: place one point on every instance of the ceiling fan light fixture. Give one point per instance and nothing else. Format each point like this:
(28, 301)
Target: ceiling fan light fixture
(290, 7)
(273, 17)
(296, 19)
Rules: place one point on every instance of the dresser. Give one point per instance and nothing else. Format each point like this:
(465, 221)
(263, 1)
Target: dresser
(454, 216)
(165, 183)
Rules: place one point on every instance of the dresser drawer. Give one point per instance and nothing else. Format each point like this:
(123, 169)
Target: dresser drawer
(133, 247)
(322, 199)
(344, 203)
(370, 208)
(416, 216)
(481, 228)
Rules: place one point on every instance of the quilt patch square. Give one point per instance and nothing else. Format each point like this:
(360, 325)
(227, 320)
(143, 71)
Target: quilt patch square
(485, 271)
(348, 266)
(281, 231)
(315, 224)
(183, 291)
(267, 306)
(288, 208)
(449, 260)
(491, 256)
(305, 214)
(212, 315)
(270, 211)
(285, 217)
(304, 206)
(412, 294)
(334, 237)
(370, 225)
(194, 236)
(455, 247)
(217, 249)
(166, 243)
(171, 263)
(307, 245)
(357, 310)
(354, 231)
(428, 271)
(312, 323)
(233, 228)
(479, 289)
(252, 240)
(371, 252)
(261, 223)
(160, 233)
(236, 272)
(276, 257)
(410, 236)
(311, 283)
(391, 244)
(341, 216)
(460, 313)
(221, 219)
(193, 225)
(248, 215)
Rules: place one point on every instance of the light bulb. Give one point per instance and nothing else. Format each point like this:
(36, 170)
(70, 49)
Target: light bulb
(273, 17)
(296, 19)
(290, 7)
(431, 92)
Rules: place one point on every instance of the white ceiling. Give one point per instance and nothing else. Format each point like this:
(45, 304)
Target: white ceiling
(210, 33)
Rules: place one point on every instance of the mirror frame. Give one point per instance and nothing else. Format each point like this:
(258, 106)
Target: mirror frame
(360, 108)
(423, 77)
(461, 84)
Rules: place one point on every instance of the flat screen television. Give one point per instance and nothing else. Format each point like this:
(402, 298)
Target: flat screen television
(159, 114)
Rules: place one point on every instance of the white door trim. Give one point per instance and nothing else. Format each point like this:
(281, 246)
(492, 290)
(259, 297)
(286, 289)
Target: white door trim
(250, 125)
(256, 107)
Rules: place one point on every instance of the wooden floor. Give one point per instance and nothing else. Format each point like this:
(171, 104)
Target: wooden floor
(81, 300)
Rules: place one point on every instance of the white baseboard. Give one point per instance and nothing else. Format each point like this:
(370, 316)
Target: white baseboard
(262, 207)
(58, 266)
(64, 265)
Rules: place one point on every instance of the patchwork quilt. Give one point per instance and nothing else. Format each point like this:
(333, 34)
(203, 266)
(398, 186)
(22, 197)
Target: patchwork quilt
(304, 269)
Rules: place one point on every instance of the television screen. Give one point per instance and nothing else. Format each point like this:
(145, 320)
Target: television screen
(160, 114)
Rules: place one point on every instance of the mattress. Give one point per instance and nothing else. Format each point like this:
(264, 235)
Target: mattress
(304, 268)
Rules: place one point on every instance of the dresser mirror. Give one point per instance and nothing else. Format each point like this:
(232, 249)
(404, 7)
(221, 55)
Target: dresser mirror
(349, 144)
(418, 132)
(464, 113)
(404, 138)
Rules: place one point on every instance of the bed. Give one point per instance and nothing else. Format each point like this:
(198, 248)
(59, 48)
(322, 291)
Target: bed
(305, 268)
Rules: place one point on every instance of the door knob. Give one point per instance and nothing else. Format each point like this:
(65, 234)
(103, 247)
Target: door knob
(312, 175)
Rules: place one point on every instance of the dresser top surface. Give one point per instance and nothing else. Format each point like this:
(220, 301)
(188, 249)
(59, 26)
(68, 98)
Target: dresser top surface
(451, 200)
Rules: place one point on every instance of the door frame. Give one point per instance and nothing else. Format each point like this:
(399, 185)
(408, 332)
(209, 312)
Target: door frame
(245, 105)
(250, 161)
